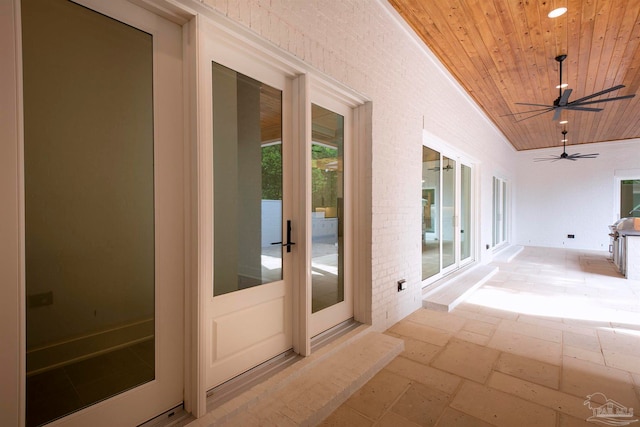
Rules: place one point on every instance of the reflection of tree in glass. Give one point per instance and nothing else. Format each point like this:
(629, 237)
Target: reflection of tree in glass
(324, 176)
(272, 172)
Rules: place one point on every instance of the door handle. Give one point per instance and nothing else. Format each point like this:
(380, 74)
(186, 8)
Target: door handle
(289, 243)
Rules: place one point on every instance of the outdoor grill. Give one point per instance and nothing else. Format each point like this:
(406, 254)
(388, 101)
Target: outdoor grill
(619, 231)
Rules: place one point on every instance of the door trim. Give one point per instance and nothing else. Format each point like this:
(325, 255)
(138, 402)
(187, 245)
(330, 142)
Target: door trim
(12, 294)
(326, 318)
(433, 142)
(231, 38)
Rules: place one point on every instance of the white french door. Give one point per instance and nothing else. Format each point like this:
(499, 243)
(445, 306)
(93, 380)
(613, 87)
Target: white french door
(246, 221)
(274, 199)
(329, 195)
(104, 212)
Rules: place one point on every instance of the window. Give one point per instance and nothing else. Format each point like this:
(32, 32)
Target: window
(500, 218)
(630, 198)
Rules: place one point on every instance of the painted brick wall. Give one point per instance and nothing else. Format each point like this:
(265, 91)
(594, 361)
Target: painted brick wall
(362, 44)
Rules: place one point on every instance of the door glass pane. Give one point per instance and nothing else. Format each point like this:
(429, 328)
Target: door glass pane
(494, 214)
(503, 212)
(499, 211)
(448, 211)
(465, 212)
(327, 193)
(630, 198)
(247, 174)
(431, 171)
(89, 207)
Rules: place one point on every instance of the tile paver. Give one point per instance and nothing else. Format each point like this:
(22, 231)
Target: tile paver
(486, 363)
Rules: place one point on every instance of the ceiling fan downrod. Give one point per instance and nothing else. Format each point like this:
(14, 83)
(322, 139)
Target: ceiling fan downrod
(564, 154)
(560, 58)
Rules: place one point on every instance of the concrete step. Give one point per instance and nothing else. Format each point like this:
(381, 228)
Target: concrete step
(453, 291)
(508, 253)
(310, 390)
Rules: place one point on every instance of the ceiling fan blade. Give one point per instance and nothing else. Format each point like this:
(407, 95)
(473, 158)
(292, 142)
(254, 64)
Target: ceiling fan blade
(525, 112)
(617, 98)
(578, 108)
(565, 97)
(534, 105)
(547, 159)
(534, 115)
(556, 114)
(602, 92)
(582, 156)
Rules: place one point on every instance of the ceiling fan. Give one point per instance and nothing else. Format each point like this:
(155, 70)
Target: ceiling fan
(562, 101)
(448, 167)
(564, 154)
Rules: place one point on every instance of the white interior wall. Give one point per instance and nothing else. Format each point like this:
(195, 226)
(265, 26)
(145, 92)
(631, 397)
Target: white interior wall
(564, 197)
(364, 44)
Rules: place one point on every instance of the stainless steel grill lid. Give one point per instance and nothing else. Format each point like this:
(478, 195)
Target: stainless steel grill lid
(628, 226)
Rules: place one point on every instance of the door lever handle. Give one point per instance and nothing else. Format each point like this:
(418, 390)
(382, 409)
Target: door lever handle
(289, 242)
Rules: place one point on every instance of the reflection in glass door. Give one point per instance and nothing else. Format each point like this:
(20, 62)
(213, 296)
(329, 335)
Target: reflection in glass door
(327, 221)
(247, 167)
(430, 212)
(499, 212)
(465, 212)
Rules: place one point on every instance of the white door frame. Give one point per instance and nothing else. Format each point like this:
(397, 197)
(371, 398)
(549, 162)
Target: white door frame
(221, 313)
(304, 85)
(305, 80)
(341, 311)
(433, 142)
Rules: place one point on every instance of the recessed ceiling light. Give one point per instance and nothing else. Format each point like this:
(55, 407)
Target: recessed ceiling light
(564, 140)
(564, 122)
(557, 12)
(562, 86)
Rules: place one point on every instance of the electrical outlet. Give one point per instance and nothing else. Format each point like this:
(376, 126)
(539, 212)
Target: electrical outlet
(571, 236)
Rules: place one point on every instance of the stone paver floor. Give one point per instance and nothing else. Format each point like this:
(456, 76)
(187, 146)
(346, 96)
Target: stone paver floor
(528, 348)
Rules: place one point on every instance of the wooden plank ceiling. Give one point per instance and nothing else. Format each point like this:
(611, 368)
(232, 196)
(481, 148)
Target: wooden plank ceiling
(503, 52)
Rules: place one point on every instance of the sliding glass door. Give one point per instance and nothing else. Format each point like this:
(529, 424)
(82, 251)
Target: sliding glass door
(446, 214)
(499, 212)
(430, 212)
